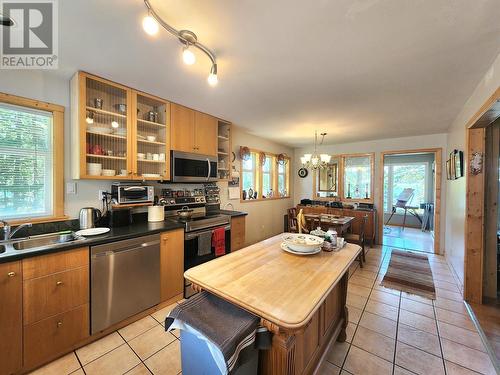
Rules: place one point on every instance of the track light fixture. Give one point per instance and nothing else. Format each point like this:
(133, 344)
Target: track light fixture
(151, 25)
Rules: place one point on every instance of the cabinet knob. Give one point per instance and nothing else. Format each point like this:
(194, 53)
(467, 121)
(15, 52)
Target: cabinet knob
(165, 239)
(11, 274)
(58, 283)
(59, 324)
(129, 172)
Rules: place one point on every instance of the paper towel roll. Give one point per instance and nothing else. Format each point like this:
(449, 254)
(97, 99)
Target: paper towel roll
(156, 213)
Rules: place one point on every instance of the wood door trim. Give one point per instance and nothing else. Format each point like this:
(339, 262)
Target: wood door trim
(438, 152)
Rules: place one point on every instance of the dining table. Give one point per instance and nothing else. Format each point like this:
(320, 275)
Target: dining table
(340, 223)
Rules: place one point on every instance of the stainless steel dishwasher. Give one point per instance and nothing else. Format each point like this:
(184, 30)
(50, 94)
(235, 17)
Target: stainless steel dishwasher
(125, 279)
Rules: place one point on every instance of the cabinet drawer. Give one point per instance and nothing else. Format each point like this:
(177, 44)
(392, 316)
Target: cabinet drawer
(54, 294)
(52, 263)
(55, 335)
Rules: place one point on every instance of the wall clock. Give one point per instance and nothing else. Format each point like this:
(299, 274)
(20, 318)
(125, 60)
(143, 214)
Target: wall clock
(302, 172)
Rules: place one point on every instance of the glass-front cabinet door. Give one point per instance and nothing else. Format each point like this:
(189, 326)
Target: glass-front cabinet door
(152, 138)
(105, 127)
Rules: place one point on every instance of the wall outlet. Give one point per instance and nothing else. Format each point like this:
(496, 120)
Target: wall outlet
(70, 187)
(101, 195)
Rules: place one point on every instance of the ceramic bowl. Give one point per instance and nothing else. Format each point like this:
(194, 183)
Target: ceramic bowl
(94, 169)
(108, 172)
(141, 156)
(302, 242)
(151, 138)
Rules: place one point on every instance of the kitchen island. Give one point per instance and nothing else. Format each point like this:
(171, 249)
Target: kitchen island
(301, 299)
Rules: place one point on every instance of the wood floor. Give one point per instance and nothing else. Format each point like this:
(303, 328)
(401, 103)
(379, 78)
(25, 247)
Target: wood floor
(489, 319)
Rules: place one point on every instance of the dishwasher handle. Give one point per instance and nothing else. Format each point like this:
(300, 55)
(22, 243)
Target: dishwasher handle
(111, 249)
(190, 236)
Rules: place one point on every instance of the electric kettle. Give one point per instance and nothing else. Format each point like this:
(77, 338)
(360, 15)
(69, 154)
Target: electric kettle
(89, 216)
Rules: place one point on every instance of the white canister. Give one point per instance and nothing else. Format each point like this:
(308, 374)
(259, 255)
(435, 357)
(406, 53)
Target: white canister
(156, 213)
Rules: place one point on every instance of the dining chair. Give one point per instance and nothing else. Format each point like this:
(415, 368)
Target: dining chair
(359, 239)
(292, 220)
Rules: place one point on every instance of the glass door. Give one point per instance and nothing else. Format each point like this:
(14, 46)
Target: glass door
(152, 135)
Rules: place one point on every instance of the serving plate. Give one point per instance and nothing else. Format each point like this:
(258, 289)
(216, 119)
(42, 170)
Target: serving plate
(302, 242)
(285, 247)
(92, 231)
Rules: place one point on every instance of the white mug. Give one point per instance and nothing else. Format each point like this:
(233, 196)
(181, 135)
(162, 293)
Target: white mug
(156, 157)
(149, 156)
(162, 157)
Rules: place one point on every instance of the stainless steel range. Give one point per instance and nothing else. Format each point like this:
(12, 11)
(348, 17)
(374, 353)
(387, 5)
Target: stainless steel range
(199, 229)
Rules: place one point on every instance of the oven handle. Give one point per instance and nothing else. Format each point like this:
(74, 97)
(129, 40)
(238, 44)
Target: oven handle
(190, 236)
(134, 188)
(209, 169)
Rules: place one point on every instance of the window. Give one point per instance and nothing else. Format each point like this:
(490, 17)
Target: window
(358, 177)
(31, 159)
(264, 180)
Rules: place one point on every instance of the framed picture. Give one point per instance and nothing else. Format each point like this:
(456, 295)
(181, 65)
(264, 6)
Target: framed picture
(448, 169)
(459, 163)
(452, 165)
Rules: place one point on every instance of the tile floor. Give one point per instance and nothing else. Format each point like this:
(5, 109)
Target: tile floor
(409, 238)
(389, 332)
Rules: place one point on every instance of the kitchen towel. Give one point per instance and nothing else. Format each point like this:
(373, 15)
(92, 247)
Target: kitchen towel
(218, 322)
(204, 243)
(219, 241)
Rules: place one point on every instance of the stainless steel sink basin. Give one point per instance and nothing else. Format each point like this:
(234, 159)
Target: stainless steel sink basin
(2, 249)
(44, 241)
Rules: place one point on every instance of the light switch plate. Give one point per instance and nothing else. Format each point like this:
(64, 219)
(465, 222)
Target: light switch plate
(70, 187)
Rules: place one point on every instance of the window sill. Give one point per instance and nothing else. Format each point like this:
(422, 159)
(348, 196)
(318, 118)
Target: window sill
(263, 199)
(38, 220)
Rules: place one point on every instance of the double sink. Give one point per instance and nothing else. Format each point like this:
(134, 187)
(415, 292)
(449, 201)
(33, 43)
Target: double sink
(39, 242)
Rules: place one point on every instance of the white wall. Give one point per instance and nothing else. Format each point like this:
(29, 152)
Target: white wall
(303, 186)
(455, 190)
(265, 218)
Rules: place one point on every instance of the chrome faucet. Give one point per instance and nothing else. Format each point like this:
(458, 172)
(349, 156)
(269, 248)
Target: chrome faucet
(227, 205)
(8, 233)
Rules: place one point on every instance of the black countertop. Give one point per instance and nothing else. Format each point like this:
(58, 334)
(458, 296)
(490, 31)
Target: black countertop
(115, 234)
(233, 213)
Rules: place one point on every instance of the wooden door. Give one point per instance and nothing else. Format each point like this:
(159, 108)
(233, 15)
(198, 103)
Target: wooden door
(172, 264)
(182, 128)
(11, 324)
(205, 134)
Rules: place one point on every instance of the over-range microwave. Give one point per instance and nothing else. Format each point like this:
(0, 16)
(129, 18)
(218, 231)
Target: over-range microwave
(188, 167)
(126, 193)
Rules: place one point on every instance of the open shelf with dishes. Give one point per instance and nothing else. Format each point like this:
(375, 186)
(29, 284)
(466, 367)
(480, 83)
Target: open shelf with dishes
(118, 132)
(224, 150)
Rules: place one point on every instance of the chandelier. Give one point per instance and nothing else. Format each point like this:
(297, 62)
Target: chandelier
(315, 161)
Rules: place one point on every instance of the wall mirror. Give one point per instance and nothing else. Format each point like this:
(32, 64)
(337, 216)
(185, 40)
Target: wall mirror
(327, 180)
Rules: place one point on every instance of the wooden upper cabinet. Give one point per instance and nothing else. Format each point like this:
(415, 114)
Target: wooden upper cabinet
(193, 131)
(182, 130)
(205, 134)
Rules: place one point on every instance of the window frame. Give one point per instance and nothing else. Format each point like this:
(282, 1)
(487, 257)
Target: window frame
(371, 155)
(57, 156)
(259, 174)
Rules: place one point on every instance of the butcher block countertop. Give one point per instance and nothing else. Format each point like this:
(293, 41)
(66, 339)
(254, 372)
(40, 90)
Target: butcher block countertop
(282, 288)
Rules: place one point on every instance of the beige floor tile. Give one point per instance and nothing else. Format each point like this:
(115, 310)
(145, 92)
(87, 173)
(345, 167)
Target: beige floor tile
(374, 343)
(139, 370)
(328, 368)
(64, 365)
(359, 290)
(382, 309)
(418, 321)
(419, 339)
(454, 369)
(98, 348)
(461, 335)
(418, 361)
(136, 328)
(176, 333)
(401, 371)
(443, 293)
(448, 278)
(358, 280)
(351, 328)
(337, 353)
(148, 343)
(467, 357)
(167, 361)
(415, 297)
(78, 372)
(386, 290)
(451, 305)
(359, 361)
(366, 274)
(161, 314)
(371, 267)
(356, 300)
(379, 324)
(118, 361)
(354, 314)
(417, 307)
(452, 287)
(385, 297)
(454, 318)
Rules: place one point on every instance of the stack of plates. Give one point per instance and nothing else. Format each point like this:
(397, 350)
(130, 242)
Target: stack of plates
(301, 244)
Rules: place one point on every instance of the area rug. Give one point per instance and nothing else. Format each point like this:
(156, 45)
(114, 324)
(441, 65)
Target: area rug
(410, 272)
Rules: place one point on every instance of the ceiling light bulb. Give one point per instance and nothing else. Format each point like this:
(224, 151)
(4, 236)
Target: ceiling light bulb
(115, 124)
(150, 25)
(212, 79)
(188, 56)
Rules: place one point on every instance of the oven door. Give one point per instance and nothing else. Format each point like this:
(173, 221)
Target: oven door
(188, 167)
(198, 249)
(134, 194)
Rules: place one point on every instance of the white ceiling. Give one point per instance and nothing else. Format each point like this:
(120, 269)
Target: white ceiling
(358, 69)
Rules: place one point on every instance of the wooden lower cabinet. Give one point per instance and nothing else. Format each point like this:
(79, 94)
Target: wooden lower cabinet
(172, 264)
(307, 343)
(11, 315)
(55, 335)
(237, 232)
